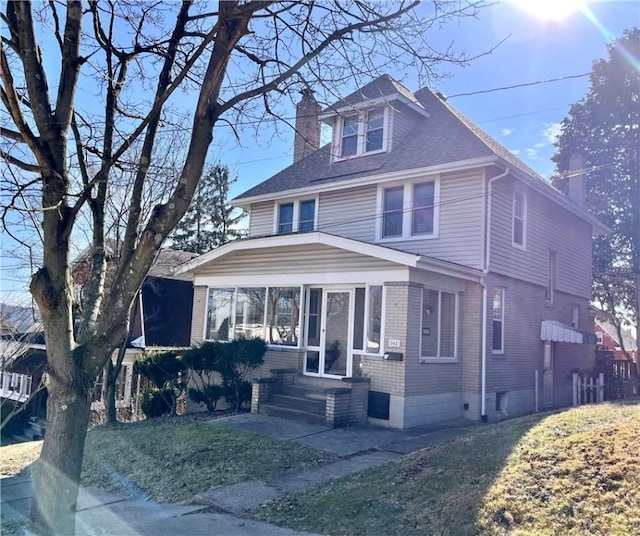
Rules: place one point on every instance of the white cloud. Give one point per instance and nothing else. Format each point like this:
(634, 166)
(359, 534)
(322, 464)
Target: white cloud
(515, 151)
(507, 131)
(532, 153)
(551, 131)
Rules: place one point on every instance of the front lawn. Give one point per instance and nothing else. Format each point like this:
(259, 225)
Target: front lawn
(174, 459)
(570, 473)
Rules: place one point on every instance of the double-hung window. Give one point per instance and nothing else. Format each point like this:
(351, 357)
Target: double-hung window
(498, 321)
(349, 144)
(375, 130)
(439, 329)
(422, 209)
(519, 223)
(362, 133)
(285, 218)
(307, 219)
(551, 277)
(296, 216)
(409, 210)
(367, 333)
(392, 211)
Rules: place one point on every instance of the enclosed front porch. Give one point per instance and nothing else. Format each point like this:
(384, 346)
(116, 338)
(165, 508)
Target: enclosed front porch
(343, 319)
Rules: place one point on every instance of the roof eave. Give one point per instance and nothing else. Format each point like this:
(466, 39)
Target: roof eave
(373, 250)
(332, 111)
(449, 167)
(540, 185)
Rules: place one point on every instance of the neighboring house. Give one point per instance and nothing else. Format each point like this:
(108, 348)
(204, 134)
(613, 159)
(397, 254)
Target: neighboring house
(23, 361)
(608, 341)
(412, 271)
(161, 321)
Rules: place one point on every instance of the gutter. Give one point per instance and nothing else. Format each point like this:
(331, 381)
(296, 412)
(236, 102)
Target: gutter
(485, 271)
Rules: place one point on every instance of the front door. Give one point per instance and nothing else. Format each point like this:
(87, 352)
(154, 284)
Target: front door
(328, 332)
(547, 376)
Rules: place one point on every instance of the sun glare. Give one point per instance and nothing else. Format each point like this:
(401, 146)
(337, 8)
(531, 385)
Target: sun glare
(550, 10)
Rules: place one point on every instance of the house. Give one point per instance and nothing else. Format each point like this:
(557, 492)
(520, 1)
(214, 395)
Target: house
(608, 339)
(23, 361)
(411, 271)
(160, 321)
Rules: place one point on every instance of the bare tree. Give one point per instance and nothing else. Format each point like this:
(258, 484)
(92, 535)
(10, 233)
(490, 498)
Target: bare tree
(74, 120)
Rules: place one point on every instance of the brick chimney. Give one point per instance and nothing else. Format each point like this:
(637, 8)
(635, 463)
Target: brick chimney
(307, 136)
(577, 180)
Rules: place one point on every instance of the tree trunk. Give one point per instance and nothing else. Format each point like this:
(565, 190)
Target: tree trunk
(57, 475)
(110, 377)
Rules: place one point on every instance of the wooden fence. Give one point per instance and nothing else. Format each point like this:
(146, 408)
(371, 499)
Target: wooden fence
(588, 389)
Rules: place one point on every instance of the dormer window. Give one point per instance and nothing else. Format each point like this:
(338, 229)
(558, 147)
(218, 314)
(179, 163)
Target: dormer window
(375, 130)
(349, 136)
(362, 133)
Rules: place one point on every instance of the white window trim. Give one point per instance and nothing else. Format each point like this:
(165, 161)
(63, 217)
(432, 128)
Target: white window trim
(407, 210)
(552, 269)
(362, 134)
(439, 359)
(365, 331)
(296, 213)
(264, 320)
(519, 191)
(575, 316)
(503, 293)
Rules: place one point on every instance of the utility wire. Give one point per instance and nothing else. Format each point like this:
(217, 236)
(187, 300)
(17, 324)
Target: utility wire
(526, 84)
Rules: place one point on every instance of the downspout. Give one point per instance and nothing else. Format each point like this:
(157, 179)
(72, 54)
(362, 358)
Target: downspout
(485, 271)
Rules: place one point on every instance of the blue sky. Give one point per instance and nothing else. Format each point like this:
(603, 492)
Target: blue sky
(525, 120)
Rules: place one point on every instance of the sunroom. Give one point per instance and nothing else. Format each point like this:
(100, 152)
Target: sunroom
(328, 307)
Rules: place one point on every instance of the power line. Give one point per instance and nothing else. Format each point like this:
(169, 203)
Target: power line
(525, 84)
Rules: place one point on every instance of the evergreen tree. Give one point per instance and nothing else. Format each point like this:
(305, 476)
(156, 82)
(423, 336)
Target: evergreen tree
(603, 132)
(210, 220)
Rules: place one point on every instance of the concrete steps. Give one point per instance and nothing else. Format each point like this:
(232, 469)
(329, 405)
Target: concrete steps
(291, 413)
(296, 401)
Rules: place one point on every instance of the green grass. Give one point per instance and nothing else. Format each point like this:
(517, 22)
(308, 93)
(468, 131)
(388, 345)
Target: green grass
(570, 473)
(174, 459)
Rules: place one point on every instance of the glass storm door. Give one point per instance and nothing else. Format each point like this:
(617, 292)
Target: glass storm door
(547, 376)
(329, 333)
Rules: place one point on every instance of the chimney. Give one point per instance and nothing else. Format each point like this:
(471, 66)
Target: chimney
(307, 136)
(577, 180)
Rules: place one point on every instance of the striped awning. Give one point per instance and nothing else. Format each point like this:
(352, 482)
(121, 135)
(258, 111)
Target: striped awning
(553, 331)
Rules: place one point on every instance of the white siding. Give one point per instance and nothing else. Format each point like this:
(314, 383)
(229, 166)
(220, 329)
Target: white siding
(549, 227)
(350, 213)
(294, 260)
(261, 219)
(402, 122)
(460, 227)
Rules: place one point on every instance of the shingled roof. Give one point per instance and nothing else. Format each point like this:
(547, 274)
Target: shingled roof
(382, 86)
(445, 137)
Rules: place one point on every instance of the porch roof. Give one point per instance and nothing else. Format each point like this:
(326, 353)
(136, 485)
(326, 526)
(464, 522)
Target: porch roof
(553, 331)
(375, 251)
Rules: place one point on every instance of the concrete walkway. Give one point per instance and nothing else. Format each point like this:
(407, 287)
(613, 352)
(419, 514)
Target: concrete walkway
(105, 513)
(358, 448)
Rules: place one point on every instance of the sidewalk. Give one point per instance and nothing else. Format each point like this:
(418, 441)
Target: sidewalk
(358, 447)
(104, 513)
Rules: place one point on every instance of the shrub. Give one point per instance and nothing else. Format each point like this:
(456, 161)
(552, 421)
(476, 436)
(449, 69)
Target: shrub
(156, 403)
(207, 395)
(165, 372)
(226, 362)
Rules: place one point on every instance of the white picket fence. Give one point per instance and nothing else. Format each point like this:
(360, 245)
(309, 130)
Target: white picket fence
(587, 389)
